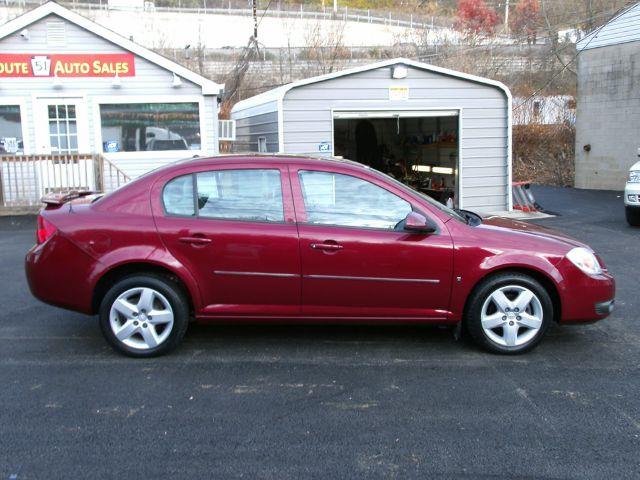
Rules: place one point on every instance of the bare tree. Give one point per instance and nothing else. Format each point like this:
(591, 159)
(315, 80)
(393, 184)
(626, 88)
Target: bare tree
(324, 47)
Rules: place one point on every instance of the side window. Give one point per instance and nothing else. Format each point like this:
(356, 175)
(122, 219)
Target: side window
(336, 199)
(240, 195)
(178, 196)
(262, 144)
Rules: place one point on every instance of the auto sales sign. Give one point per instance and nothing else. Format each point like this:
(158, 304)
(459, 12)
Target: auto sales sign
(13, 65)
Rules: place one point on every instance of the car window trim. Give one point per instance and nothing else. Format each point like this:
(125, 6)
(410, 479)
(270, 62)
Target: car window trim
(369, 229)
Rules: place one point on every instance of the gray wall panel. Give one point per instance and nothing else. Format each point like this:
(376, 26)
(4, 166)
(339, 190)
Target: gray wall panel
(607, 115)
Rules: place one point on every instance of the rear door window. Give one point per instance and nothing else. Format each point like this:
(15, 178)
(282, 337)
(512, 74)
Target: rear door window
(177, 197)
(250, 195)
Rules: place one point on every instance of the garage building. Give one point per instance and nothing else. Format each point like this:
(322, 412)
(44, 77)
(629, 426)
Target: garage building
(608, 104)
(443, 132)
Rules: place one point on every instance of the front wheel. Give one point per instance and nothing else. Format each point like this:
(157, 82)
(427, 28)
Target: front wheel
(508, 313)
(144, 315)
(633, 216)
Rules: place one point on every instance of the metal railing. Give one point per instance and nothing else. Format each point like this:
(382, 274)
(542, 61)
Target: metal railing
(24, 179)
(243, 8)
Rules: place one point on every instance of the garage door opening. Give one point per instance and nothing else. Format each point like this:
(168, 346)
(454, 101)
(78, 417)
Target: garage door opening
(418, 148)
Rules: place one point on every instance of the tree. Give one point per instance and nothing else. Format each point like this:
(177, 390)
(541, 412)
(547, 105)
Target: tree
(526, 20)
(475, 18)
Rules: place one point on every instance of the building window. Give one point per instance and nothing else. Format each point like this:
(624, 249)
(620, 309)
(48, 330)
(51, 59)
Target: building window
(139, 127)
(262, 144)
(537, 109)
(63, 129)
(11, 142)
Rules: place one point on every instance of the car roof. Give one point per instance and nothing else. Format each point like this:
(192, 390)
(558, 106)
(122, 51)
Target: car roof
(267, 158)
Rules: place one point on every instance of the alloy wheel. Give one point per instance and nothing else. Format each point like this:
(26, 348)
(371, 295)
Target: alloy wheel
(141, 318)
(511, 316)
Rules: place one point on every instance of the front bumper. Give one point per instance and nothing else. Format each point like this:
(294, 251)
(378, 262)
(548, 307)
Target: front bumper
(632, 195)
(604, 308)
(585, 298)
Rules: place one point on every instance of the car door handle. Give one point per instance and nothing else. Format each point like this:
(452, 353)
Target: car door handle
(326, 246)
(195, 240)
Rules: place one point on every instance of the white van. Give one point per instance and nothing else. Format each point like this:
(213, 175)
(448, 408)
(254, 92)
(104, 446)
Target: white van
(632, 195)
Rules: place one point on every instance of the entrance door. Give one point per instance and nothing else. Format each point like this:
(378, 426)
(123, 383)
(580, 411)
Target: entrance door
(357, 261)
(61, 129)
(61, 126)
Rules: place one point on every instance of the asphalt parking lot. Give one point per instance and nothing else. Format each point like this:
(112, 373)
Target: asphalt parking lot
(325, 402)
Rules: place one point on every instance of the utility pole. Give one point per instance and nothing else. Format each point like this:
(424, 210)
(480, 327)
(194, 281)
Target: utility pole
(506, 16)
(255, 19)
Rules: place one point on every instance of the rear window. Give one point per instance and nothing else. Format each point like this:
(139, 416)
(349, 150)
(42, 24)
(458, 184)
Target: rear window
(178, 196)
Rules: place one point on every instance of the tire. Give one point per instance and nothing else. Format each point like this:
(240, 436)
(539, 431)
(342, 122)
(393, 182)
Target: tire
(144, 315)
(505, 328)
(633, 216)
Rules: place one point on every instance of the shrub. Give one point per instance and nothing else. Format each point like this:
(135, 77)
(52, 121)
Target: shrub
(544, 154)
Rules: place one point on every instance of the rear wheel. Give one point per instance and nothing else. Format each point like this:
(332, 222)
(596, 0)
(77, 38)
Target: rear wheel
(509, 313)
(633, 216)
(144, 315)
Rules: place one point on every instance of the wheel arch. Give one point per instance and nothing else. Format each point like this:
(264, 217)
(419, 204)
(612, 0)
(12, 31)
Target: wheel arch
(541, 277)
(111, 276)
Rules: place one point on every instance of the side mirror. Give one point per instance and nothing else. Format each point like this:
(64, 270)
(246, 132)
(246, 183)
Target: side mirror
(417, 223)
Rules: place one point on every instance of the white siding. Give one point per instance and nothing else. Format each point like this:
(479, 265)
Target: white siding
(255, 122)
(150, 81)
(623, 28)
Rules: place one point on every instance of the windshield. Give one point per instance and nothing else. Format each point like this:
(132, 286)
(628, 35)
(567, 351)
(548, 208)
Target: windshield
(443, 208)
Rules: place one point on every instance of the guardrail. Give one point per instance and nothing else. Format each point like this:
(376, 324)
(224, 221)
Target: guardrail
(242, 8)
(25, 179)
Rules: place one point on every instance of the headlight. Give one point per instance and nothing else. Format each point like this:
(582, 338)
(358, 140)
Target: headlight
(585, 260)
(634, 176)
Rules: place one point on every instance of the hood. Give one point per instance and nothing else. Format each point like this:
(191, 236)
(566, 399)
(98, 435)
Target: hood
(508, 224)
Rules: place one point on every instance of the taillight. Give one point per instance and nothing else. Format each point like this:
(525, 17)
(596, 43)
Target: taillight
(45, 230)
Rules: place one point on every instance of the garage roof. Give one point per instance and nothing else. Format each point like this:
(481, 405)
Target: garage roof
(622, 28)
(279, 93)
(209, 87)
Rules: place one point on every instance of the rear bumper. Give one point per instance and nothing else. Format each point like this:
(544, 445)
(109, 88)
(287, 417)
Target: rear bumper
(57, 273)
(585, 298)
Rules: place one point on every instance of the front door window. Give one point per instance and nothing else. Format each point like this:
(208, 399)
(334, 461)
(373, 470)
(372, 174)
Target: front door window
(343, 200)
(63, 129)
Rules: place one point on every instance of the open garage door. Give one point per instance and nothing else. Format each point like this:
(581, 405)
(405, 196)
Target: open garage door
(418, 147)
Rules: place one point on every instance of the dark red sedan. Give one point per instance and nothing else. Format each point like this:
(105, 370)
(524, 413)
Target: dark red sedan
(247, 238)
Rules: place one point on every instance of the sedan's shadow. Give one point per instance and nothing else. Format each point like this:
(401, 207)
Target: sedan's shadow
(317, 333)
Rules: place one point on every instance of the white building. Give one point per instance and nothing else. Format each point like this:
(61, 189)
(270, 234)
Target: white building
(69, 86)
(544, 110)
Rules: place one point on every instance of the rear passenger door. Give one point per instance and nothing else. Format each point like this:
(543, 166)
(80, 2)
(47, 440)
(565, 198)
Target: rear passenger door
(233, 227)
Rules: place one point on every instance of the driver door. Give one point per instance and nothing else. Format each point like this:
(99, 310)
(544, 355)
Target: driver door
(355, 261)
